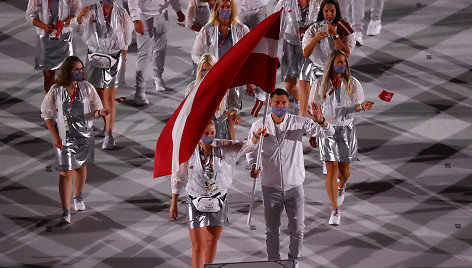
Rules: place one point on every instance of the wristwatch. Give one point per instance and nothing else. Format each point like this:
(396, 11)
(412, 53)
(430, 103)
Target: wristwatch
(335, 37)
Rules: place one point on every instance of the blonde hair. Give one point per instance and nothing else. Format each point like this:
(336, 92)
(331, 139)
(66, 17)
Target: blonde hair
(215, 19)
(205, 58)
(210, 59)
(346, 76)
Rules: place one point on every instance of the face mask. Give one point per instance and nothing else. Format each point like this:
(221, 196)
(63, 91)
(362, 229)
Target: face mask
(340, 69)
(204, 73)
(78, 76)
(330, 21)
(208, 140)
(107, 2)
(279, 111)
(224, 14)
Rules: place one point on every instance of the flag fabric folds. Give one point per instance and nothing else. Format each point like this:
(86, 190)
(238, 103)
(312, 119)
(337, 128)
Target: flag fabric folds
(253, 60)
(345, 27)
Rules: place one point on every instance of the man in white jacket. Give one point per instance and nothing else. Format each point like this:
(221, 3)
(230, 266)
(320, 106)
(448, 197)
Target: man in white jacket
(283, 170)
(151, 19)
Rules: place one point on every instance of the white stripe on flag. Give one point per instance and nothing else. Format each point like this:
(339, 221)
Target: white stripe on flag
(179, 126)
(267, 46)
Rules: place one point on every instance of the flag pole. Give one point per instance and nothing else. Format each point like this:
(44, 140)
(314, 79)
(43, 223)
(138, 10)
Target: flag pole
(259, 152)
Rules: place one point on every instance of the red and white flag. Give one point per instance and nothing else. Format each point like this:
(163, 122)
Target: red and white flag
(345, 27)
(253, 60)
(386, 95)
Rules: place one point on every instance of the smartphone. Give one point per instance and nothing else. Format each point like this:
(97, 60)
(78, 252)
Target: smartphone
(324, 27)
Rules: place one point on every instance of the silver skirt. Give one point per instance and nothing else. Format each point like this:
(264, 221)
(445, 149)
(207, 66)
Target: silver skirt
(50, 54)
(341, 147)
(105, 78)
(292, 61)
(75, 155)
(294, 65)
(197, 219)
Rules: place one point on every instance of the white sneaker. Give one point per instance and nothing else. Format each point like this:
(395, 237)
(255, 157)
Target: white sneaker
(374, 27)
(358, 36)
(65, 218)
(140, 99)
(108, 142)
(341, 195)
(335, 218)
(79, 202)
(160, 85)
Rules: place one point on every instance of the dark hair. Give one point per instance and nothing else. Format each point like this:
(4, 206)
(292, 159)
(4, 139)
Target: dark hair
(279, 92)
(64, 77)
(338, 11)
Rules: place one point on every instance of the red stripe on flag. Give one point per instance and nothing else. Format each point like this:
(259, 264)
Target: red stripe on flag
(193, 119)
(345, 27)
(257, 107)
(259, 70)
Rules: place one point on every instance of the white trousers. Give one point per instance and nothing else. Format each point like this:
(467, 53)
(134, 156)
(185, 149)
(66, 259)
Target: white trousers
(151, 49)
(358, 10)
(275, 201)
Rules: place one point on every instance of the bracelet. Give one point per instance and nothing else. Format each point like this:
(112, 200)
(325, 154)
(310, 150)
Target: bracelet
(362, 107)
(335, 37)
(322, 122)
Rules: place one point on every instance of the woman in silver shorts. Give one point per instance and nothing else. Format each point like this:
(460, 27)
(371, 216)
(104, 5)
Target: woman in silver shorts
(206, 177)
(340, 97)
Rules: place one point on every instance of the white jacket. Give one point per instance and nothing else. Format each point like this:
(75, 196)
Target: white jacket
(101, 38)
(197, 12)
(225, 154)
(324, 47)
(251, 4)
(291, 19)
(337, 113)
(207, 40)
(38, 9)
(144, 9)
(51, 107)
(283, 167)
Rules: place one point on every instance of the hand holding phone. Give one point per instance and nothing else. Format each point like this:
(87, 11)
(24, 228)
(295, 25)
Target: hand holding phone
(324, 27)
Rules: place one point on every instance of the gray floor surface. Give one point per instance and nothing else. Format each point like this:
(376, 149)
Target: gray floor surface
(408, 200)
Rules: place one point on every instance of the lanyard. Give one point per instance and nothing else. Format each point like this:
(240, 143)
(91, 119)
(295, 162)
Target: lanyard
(73, 96)
(224, 39)
(336, 85)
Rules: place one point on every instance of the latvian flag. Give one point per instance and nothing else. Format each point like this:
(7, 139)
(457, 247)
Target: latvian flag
(253, 60)
(345, 27)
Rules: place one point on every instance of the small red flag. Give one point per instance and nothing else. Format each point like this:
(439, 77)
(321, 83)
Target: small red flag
(120, 99)
(345, 27)
(386, 95)
(59, 26)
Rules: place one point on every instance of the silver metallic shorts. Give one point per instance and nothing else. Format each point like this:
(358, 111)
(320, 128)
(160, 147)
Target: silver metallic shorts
(341, 147)
(50, 54)
(197, 219)
(105, 78)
